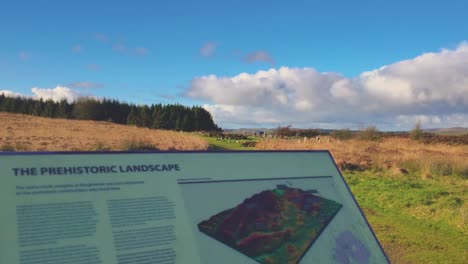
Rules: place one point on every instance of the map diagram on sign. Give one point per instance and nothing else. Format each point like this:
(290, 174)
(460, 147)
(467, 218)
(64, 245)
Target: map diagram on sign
(273, 226)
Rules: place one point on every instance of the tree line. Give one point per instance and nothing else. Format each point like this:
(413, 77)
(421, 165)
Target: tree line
(158, 116)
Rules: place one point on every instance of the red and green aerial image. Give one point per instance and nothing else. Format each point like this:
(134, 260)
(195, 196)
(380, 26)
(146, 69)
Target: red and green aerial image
(273, 226)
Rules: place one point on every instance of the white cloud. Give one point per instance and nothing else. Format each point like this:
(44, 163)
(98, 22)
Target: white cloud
(9, 93)
(433, 85)
(433, 121)
(260, 56)
(235, 114)
(281, 88)
(58, 93)
(432, 78)
(208, 49)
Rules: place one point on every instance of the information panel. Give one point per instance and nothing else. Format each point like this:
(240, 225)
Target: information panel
(180, 208)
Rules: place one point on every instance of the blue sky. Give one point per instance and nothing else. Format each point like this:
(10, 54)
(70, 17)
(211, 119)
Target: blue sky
(163, 51)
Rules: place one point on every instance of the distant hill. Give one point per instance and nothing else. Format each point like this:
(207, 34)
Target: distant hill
(441, 131)
(449, 131)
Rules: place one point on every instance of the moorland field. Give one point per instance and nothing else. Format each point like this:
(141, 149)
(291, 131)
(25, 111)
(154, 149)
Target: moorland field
(413, 193)
(29, 133)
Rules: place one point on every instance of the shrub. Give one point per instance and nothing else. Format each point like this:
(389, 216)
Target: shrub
(412, 165)
(462, 173)
(7, 147)
(100, 147)
(417, 133)
(285, 131)
(307, 133)
(441, 167)
(21, 146)
(138, 145)
(342, 134)
(371, 133)
(249, 144)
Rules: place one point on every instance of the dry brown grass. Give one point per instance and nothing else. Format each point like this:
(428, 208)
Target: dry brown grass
(396, 154)
(29, 133)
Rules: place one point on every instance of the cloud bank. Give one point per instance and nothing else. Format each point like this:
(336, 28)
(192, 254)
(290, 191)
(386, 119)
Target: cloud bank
(58, 93)
(432, 87)
(9, 93)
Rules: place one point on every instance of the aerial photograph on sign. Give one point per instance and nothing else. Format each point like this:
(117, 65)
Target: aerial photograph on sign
(266, 220)
(273, 226)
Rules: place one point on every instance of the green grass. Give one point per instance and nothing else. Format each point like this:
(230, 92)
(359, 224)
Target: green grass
(417, 221)
(227, 144)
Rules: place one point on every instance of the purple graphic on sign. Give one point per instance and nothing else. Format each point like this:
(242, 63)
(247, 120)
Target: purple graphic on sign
(348, 248)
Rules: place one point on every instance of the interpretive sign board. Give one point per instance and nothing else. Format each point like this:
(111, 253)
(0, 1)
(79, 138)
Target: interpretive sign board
(180, 208)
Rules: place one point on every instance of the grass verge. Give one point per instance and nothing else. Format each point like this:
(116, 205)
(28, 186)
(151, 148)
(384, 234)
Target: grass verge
(215, 144)
(416, 220)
